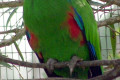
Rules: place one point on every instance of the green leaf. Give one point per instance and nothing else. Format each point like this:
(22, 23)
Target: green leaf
(113, 38)
(6, 11)
(19, 52)
(12, 13)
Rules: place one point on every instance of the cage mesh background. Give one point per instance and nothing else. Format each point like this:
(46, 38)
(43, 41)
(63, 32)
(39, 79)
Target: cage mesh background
(17, 72)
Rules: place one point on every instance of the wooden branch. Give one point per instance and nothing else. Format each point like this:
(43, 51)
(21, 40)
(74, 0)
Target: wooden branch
(109, 21)
(16, 30)
(117, 2)
(107, 76)
(11, 4)
(13, 39)
(60, 64)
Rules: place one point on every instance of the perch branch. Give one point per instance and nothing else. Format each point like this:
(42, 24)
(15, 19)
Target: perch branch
(60, 64)
(10, 31)
(13, 39)
(107, 76)
(11, 4)
(116, 2)
(109, 21)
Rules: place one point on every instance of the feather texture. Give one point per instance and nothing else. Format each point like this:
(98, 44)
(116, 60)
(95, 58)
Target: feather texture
(61, 29)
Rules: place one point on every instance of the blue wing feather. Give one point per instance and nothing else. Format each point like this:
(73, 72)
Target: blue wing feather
(93, 71)
(91, 48)
(28, 35)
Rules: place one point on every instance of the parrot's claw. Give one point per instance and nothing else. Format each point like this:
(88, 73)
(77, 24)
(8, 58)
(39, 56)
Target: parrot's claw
(50, 67)
(72, 63)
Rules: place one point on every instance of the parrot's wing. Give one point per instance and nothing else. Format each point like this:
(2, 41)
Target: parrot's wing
(85, 19)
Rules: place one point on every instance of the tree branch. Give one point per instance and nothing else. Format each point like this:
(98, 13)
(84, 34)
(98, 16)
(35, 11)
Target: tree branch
(117, 2)
(11, 4)
(16, 30)
(60, 64)
(13, 39)
(107, 76)
(109, 21)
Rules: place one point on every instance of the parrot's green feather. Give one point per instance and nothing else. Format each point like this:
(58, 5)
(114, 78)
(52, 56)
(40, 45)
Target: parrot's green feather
(85, 11)
(47, 19)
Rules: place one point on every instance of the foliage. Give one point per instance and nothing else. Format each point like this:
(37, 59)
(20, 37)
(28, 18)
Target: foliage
(113, 38)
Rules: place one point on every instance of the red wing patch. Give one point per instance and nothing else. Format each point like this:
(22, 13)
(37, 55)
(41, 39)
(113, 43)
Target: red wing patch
(34, 43)
(74, 29)
(40, 57)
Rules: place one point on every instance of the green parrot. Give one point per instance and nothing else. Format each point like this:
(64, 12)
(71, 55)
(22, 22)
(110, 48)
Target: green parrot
(61, 29)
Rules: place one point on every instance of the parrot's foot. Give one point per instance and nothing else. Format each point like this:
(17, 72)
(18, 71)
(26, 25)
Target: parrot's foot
(50, 67)
(72, 63)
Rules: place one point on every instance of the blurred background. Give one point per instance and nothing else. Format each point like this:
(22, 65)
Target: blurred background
(11, 18)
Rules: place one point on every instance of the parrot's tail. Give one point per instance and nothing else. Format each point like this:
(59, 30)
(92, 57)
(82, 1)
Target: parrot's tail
(94, 71)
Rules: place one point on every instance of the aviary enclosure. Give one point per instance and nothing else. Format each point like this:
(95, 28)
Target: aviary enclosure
(18, 61)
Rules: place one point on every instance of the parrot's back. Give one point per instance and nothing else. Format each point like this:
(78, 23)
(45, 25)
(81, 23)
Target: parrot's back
(62, 29)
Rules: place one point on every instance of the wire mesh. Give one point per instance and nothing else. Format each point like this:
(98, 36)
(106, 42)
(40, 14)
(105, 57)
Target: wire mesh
(18, 72)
